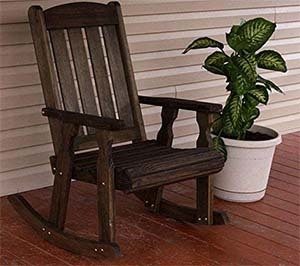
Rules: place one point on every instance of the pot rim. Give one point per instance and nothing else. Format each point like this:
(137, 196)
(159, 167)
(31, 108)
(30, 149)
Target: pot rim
(252, 144)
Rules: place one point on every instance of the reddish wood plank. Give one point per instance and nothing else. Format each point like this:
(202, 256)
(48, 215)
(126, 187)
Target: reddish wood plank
(291, 137)
(265, 232)
(281, 204)
(294, 142)
(284, 177)
(292, 151)
(277, 193)
(226, 234)
(9, 259)
(286, 169)
(287, 156)
(282, 185)
(24, 249)
(255, 237)
(152, 234)
(245, 211)
(280, 159)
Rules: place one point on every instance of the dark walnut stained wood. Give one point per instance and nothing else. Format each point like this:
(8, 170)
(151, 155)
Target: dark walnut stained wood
(204, 107)
(82, 105)
(149, 164)
(84, 119)
(63, 175)
(82, 14)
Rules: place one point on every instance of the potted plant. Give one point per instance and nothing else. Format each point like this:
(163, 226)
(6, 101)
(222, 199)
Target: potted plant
(249, 148)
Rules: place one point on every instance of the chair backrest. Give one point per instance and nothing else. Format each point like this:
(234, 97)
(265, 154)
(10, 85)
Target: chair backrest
(85, 66)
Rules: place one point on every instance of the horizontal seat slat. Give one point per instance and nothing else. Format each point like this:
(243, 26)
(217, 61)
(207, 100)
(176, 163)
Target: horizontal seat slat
(156, 157)
(149, 164)
(173, 161)
(129, 156)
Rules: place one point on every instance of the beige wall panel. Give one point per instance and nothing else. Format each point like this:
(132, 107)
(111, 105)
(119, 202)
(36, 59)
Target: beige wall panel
(24, 117)
(191, 24)
(21, 97)
(24, 137)
(25, 179)
(14, 55)
(27, 157)
(284, 124)
(192, 6)
(19, 76)
(277, 109)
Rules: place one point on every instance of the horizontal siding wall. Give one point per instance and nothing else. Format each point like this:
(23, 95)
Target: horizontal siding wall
(157, 32)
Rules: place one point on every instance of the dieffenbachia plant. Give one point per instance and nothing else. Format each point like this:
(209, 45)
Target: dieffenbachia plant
(247, 88)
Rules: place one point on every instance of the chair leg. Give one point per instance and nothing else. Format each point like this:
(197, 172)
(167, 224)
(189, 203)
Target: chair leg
(151, 198)
(63, 175)
(105, 189)
(204, 200)
(205, 213)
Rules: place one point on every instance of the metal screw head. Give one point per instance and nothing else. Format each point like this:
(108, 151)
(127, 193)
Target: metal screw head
(205, 218)
(146, 201)
(96, 249)
(102, 250)
(49, 233)
(103, 183)
(54, 168)
(199, 219)
(43, 112)
(60, 173)
(152, 205)
(44, 229)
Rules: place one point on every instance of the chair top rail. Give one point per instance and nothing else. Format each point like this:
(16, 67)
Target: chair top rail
(81, 14)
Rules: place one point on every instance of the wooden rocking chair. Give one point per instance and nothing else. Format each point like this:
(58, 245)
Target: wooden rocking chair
(84, 114)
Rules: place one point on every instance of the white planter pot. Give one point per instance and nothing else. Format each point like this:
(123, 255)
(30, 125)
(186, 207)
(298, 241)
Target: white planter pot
(245, 175)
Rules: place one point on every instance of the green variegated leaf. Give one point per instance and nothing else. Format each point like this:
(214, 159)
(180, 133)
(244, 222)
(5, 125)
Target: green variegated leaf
(246, 65)
(215, 63)
(250, 102)
(254, 114)
(240, 85)
(219, 145)
(250, 36)
(228, 130)
(217, 125)
(256, 32)
(236, 71)
(235, 41)
(272, 60)
(269, 84)
(260, 94)
(234, 104)
(203, 42)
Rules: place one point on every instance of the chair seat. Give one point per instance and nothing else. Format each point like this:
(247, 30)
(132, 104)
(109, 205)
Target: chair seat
(148, 164)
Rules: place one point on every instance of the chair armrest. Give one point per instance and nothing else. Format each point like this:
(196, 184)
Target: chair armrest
(203, 107)
(84, 119)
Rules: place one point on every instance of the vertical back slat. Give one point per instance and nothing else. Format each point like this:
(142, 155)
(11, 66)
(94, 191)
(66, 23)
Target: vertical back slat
(117, 72)
(82, 71)
(64, 70)
(100, 72)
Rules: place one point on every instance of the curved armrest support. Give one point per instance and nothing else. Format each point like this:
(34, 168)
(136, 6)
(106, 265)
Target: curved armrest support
(170, 106)
(84, 119)
(197, 106)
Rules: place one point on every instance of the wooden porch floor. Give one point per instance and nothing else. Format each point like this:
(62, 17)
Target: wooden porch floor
(262, 233)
